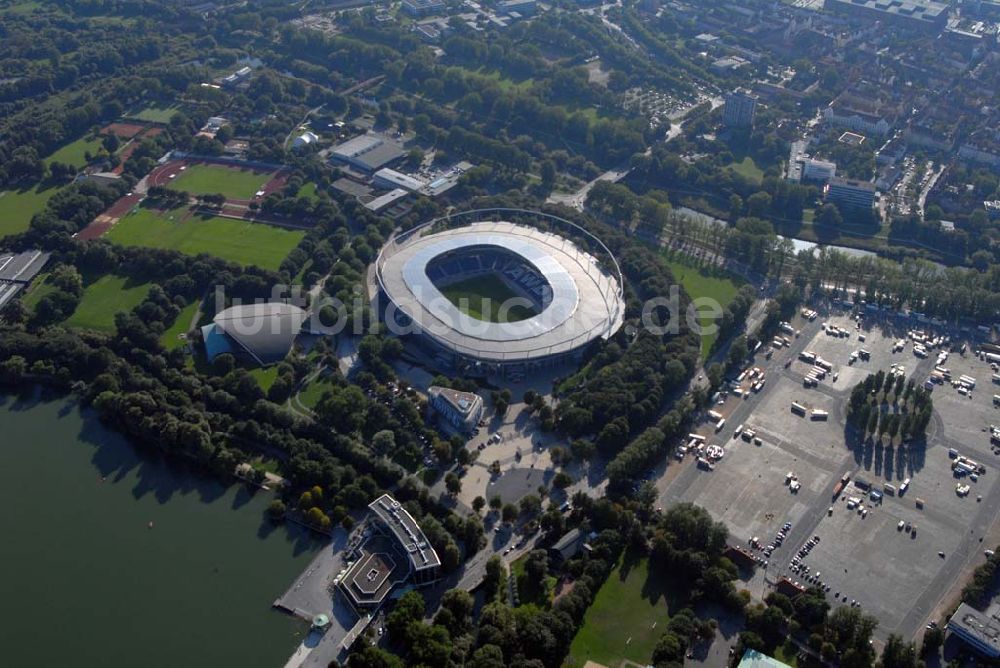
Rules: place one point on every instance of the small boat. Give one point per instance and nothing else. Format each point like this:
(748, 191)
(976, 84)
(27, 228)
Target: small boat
(150, 525)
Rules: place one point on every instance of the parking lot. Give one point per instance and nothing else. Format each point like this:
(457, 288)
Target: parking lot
(898, 573)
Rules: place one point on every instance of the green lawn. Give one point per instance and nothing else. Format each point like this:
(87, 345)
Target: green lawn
(73, 153)
(38, 289)
(154, 114)
(211, 179)
(480, 297)
(313, 392)
(171, 338)
(619, 624)
(265, 377)
(234, 240)
(748, 169)
(18, 206)
(307, 190)
(105, 297)
(703, 282)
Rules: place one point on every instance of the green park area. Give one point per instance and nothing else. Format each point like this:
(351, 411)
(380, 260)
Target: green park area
(212, 179)
(105, 297)
(18, 206)
(154, 114)
(481, 297)
(619, 625)
(700, 281)
(227, 238)
(748, 169)
(74, 152)
(171, 338)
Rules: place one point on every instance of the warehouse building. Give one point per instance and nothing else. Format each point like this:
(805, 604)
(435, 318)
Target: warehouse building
(369, 152)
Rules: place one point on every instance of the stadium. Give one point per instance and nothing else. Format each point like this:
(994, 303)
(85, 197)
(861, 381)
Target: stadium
(498, 296)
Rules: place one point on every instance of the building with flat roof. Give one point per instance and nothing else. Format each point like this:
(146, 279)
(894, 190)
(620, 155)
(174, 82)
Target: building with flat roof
(522, 7)
(851, 193)
(916, 14)
(392, 518)
(385, 201)
(17, 270)
(417, 8)
(369, 152)
(818, 170)
(740, 109)
(463, 410)
(391, 179)
(979, 630)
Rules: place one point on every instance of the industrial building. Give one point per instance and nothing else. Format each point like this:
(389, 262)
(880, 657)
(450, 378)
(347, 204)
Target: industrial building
(462, 410)
(260, 333)
(369, 152)
(851, 193)
(980, 630)
(740, 109)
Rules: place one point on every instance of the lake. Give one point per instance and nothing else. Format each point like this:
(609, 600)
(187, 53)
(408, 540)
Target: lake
(85, 581)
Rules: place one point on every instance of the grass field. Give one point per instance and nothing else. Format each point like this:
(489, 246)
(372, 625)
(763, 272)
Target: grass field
(155, 114)
(234, 240)
(480, 297)
(531, 594)
(18, 206)
(38, 289)
(105, 297)
(265, 377)
(702, 282)
(73, 153)
(619, 624)
(170, 338)
(212, 179)
(748, 169)
(314, 391)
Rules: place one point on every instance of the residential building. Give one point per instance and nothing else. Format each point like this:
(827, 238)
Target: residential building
(740, 109)
(858, 114)
(418, 8)
(463, 410)
(914, 14)
(980, 630)
(851, 193)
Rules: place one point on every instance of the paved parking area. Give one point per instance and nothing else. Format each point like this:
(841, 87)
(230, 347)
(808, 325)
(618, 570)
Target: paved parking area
(898, 577)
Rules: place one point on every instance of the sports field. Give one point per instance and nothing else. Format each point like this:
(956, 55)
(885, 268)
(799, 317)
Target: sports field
(619, 624)
(105, 297)
(480, 297)
(73, 153)
(18, 206)
(155, 114)
(211, 179)
(234, 240)
(704, 282)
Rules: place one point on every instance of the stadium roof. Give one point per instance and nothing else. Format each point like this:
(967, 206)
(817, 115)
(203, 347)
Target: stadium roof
(754, 659)
(406, 531)
(266, 332)
(586, 302)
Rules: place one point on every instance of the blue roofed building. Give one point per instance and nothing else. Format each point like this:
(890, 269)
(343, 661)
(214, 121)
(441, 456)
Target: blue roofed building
(754, 659)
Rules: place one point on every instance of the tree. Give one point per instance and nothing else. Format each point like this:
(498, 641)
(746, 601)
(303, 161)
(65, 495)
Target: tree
(530, 505)
(409, 608)
(478, 504)
(509, 513)
(548, 174)
(898, 654)
(383, 442)
(496, 503)
(562, 480)
(737, 352)
(452, 483)
(276, 510)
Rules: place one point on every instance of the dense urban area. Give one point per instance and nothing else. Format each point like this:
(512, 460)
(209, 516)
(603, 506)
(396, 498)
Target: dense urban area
(741, 413)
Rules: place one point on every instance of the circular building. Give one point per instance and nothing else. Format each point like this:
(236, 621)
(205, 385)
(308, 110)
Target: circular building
(498, 296)
(260, 333)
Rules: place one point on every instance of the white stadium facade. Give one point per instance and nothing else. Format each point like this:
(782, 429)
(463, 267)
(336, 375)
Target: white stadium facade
(575, 298)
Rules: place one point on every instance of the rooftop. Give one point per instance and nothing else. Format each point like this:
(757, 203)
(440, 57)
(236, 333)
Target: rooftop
(463, 402)
(754, 659)
(264, 331)
(407, 532)
(981, 627)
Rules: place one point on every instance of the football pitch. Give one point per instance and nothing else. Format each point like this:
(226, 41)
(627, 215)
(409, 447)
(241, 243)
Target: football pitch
(212, 179)
(481, 297)
(230, 239)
